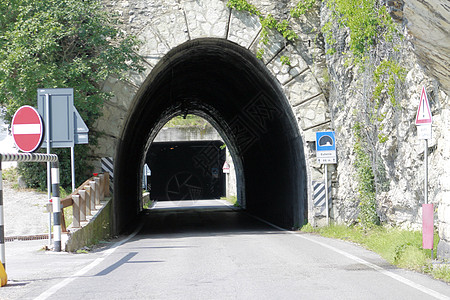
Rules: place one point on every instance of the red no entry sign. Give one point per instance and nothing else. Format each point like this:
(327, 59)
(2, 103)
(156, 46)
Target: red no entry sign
(27, 129)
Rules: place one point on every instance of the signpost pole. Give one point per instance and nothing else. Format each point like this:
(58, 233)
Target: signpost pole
(72, 166)
(426, 197)
(426, 171)
(424, 119)
(49, 180)
(326, 154)
(326, 195)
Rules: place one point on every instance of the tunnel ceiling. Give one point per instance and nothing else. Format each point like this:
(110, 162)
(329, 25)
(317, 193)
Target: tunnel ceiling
(228, 86)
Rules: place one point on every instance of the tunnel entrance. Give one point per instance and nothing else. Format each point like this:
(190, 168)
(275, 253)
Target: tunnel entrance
(230, 88)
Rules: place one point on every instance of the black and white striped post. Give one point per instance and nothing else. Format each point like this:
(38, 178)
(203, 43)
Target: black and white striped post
(34, 157)
(56, 203)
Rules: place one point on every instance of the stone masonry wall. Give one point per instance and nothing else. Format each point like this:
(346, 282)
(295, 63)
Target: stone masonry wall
(322, 91)
(163, 25)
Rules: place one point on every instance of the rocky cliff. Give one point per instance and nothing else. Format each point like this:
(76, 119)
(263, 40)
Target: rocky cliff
(396, 153)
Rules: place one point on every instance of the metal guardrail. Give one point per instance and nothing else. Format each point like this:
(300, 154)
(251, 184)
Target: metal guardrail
(56, 207)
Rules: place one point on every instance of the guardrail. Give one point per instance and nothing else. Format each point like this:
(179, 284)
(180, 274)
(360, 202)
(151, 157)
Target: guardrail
(85, 199)
(34, 157)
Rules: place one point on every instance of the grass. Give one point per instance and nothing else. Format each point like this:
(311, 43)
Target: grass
(11, 175)
(399, 247)
(232, 200)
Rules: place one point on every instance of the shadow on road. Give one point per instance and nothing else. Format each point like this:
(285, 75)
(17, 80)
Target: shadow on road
(200, 218)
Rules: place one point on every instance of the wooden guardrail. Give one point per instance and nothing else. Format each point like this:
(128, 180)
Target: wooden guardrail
(85, 199)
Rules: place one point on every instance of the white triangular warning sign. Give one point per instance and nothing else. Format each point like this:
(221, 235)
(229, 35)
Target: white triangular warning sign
(226, 167)
(423, 113)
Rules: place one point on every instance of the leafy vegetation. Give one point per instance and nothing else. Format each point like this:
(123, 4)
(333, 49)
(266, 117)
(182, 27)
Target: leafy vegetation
(269, 23)
(368, 216)
(232, 200)
(58, 44)
(367, 22)
(372, 49)
(399, 247)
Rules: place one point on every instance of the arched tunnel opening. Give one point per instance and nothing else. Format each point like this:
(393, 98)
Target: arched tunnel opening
(233, 90)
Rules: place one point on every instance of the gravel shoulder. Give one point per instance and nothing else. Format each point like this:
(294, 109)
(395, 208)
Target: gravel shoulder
(24, 211)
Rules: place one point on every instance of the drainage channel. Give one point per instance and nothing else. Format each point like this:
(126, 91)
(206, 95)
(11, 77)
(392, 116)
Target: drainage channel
(26, 237)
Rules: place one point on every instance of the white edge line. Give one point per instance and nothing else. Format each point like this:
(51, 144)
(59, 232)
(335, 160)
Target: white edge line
(397, 277)
(60, 285)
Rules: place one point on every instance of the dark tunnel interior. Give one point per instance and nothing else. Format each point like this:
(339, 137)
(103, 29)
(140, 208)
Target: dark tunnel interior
(228, 86)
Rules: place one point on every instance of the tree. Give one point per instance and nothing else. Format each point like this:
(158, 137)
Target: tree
(57, 44)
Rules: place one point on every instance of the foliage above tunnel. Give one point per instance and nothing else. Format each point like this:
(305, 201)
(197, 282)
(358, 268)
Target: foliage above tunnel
(61, 44)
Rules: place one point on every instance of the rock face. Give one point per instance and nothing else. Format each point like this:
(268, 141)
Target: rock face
(398, 160)
(428, 22)
(324, 94)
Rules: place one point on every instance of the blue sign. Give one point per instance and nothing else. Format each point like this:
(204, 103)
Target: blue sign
(326, 147)
(325, 141)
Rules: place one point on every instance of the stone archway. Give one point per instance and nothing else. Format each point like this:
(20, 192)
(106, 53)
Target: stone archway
(228, 86)
(166, 25)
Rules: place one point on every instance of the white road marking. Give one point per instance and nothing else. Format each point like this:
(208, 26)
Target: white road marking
(51, 291)
(397, 277)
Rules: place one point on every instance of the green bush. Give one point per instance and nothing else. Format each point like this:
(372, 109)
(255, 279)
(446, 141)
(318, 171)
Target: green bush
(61, 44)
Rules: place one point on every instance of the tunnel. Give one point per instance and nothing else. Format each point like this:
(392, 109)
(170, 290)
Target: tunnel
(229, 87)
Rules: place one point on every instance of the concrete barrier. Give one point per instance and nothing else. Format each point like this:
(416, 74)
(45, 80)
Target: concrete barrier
(98, 228)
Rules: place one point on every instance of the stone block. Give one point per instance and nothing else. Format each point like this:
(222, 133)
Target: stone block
(275, 44)
(172, 26)
(312, 113)
(206, 18)
(244, 27)
(285, 73)
(443, 250)
(444, 230)
(302, 88)
(153, 47)
(444, 211)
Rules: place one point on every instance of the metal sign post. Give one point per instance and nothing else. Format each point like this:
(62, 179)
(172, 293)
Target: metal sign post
(65, 126)
(49, 182)
(326, 154)
(424, 131)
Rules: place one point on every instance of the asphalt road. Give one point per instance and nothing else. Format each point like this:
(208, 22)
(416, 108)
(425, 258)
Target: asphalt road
(219, 253)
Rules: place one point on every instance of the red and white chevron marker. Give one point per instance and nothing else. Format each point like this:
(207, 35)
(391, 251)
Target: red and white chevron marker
(27, 129)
